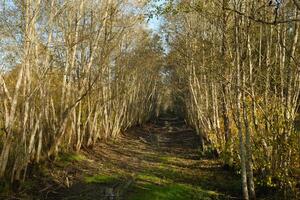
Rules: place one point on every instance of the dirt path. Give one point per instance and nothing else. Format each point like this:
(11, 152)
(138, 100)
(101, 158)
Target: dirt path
(157, 161)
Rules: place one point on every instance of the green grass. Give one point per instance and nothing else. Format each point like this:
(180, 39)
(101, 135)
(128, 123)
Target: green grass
(149, 191)
(147, 177)
(171, 173)
(168, 159)
(153, 186)
(100, 178)
(65, 159)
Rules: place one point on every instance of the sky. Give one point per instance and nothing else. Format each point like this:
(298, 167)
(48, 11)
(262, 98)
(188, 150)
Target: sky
(156, 21)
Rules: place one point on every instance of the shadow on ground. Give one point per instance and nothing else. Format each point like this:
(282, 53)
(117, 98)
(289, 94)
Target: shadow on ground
(156, 161)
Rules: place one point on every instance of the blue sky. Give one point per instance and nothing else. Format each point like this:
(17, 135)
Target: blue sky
(156, 21)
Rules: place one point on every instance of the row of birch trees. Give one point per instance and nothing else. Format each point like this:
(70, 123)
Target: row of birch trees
(239, 64)
(73, 72)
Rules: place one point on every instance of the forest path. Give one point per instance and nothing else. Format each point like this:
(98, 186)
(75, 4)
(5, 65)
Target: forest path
(156, 161)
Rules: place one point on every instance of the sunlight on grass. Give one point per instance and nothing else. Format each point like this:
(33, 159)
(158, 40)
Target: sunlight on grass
(69, 157)
(173, 160)
(100, 178)
(66, 159)
(147, 191)
(151, 178)
(159, 186)
(168, 159)
(168, 172)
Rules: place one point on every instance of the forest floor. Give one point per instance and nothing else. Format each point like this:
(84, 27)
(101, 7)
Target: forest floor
(158, 161)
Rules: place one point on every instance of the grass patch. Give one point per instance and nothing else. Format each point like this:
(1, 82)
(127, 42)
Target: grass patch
(168, 159)
(156, 185)
(147, 191)
(100, 178)
(168, 176)
(150, 178)
(168, 172)
(66, 158)
(162, 158)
